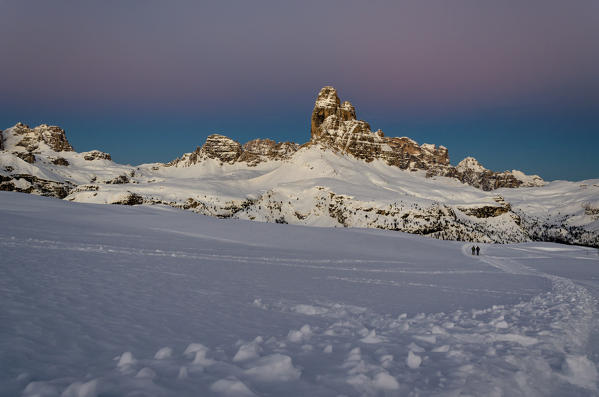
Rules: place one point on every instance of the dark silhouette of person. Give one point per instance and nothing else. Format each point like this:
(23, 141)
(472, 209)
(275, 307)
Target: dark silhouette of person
(473, 249)
(477, 249)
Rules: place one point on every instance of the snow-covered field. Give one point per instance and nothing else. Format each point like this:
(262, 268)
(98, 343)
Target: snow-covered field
(99, 300)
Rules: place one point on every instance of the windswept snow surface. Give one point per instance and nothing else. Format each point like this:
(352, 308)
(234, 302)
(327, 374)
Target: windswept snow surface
(102, 300)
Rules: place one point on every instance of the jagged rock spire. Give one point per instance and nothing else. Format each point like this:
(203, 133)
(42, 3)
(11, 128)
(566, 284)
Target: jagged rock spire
(334, 125)
(328, 104)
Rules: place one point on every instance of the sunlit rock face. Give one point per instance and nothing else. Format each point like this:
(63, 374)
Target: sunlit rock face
(218, 147)
(334, 125)
(259, 150)
(96, 155)
(221, 148)
(30, 139)
(228, 151)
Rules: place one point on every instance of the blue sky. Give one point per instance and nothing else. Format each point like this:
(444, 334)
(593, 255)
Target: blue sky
(514, 84)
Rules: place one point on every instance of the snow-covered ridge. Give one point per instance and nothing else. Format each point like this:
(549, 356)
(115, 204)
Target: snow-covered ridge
(346, 176)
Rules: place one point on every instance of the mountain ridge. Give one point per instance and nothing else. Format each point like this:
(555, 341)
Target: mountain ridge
(334, 125)
(345, 176)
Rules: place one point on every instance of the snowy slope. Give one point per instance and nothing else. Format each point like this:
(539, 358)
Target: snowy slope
(322, 188)
(149, 300)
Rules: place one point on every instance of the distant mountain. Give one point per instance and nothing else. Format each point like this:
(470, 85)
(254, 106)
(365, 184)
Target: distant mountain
(346, 175)
(335, 127)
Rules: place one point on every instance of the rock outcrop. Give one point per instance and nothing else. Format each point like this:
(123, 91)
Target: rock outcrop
(96, 155)
(31, 138)
(60, 161)
(27, 157)
(471, 172)
(218, 147)
(259, 150)
(46, 148)
(221, 148)
(129, 198)
(229, 151)
(32, 184)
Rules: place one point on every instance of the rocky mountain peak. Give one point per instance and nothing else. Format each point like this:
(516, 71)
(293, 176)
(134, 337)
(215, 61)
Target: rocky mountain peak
(218, 147)
(227, 150)
(473, 173)
(328, 108)
(470, 164)
(54, 137)
(221, 148)
(335, 126)
(96, 155)
(23, 138)
(327, 98)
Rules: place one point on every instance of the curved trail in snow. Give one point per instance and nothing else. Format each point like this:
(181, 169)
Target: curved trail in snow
(572, 329)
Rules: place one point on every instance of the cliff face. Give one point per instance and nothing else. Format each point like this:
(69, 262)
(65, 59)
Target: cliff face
(259, 150)
(334, 125)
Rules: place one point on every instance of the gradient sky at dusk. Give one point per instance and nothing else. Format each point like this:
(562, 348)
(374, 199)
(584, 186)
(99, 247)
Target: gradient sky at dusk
(513, 83)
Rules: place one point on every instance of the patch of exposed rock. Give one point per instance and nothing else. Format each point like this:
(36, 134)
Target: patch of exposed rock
(34, 185)
(486, 211)
(129, 198)
(28, 157)
(119, 180)
(96, 155)
(60, 161)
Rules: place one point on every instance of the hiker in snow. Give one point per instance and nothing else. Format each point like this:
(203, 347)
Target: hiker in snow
(477, 250)
(473, 249)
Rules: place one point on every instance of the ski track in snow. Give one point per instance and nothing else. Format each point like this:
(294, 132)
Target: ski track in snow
(537, 344)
